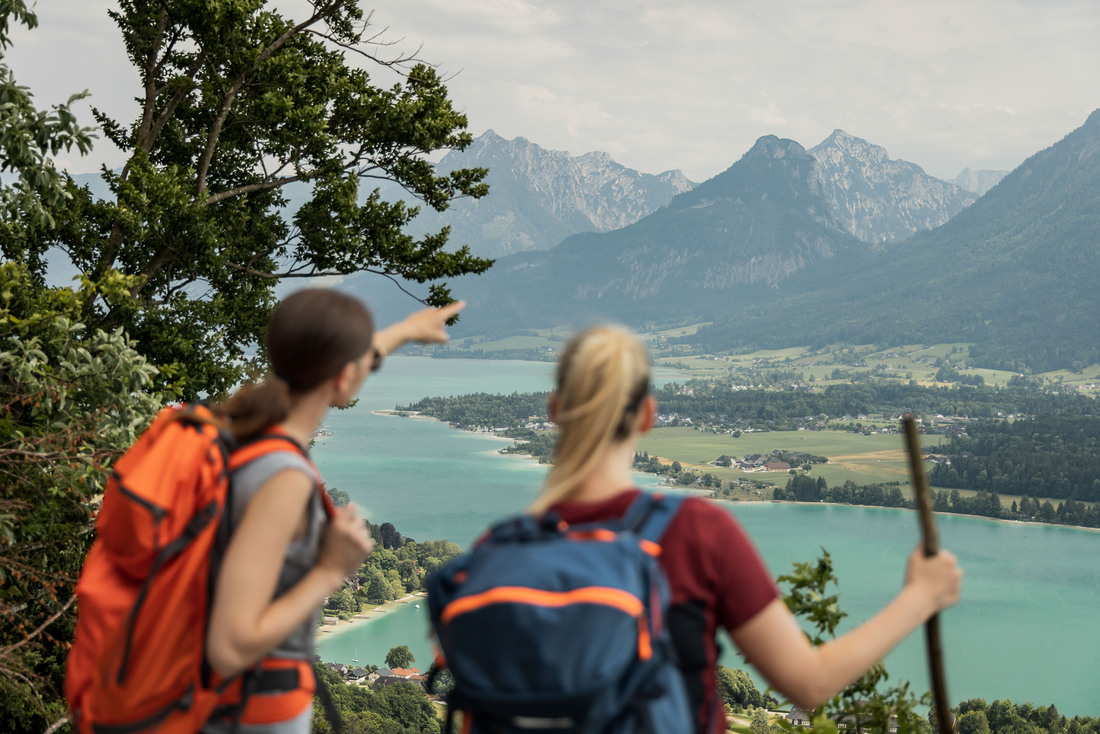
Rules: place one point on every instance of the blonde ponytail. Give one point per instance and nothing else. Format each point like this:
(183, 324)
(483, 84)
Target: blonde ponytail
(602, 378)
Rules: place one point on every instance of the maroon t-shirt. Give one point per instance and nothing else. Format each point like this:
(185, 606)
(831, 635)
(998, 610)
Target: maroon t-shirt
(716, 577)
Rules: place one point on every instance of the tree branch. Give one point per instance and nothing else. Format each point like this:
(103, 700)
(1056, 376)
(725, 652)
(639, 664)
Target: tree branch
(30, 684)
(292, 273)
(53, 618)
(215, 132)
(110, 252)
(11, 454)
(151, 64)
(57, 725)
(260, 186)
(320, 274)
(156, 262)
(173, 102)
(423, 301)
(402, 60)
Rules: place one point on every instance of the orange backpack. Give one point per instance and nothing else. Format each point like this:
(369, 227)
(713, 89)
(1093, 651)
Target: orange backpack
(138, 659)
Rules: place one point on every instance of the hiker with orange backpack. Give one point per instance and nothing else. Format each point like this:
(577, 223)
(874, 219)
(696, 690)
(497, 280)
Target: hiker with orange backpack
(601, 405)
(172, 640)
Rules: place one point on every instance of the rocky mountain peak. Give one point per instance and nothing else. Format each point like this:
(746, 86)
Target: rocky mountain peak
(840, 143)
(538, 197)
(771, 146)
(979, 182)
(879, 199)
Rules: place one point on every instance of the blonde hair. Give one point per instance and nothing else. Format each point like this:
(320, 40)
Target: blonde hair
(602, 379)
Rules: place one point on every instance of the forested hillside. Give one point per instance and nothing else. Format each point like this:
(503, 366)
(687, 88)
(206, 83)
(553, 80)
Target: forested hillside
(1046, 456)
(1013, 273)
(757, 253)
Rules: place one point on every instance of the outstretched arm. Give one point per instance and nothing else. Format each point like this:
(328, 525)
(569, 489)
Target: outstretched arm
(772, 641)
(427, 326)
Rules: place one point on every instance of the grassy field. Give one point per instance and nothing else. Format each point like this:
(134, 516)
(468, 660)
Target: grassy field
(818, 367)
(863, 459)
(676, 332)
(840, 363)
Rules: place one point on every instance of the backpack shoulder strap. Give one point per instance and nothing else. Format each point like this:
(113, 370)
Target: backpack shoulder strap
(271, 441)
(649, 514)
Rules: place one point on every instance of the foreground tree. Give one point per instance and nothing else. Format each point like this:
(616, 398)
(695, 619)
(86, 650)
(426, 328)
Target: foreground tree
(71, 398)
(31, 136)
(760, 723)
(398, 708)
(246, 164)
(869, 704)
(238, 103)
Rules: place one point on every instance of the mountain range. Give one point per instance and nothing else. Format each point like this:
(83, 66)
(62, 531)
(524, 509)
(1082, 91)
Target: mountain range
(979, 182)
(790, 246)
(787, 246)
(539, 197)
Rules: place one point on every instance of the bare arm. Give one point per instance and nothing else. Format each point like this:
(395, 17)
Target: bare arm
(808, 675)
(246, 622)
(426, 326)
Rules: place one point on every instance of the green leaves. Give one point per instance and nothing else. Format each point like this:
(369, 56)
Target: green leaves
(71, 399)
(862, 706)
(255, 159)
(28, 136)
(807, 598)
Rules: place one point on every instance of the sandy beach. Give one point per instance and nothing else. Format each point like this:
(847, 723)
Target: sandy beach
(368, 614)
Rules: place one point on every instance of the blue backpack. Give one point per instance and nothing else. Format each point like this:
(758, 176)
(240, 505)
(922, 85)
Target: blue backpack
(547, 627)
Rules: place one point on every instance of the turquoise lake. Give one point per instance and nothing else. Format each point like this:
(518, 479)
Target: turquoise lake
(1025, 630)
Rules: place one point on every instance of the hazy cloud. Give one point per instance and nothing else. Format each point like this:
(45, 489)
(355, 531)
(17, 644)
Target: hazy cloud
(692, 84)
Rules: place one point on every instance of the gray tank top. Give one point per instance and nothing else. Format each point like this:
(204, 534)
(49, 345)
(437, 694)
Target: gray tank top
(302, 554)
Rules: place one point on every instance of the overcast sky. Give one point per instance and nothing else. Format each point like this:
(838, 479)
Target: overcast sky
(691, 84)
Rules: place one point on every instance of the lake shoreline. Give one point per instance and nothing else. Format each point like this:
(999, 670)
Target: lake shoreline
(489, 434)
(329, 631)
(1031, 587)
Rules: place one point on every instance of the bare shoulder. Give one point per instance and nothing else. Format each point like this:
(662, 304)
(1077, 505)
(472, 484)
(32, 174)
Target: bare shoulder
(284, 495)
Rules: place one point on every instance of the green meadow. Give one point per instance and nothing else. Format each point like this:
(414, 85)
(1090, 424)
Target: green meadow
(835, 363)
(870, 459)
(863, 459)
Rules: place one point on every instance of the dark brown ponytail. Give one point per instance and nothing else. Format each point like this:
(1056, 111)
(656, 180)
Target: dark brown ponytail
(255, 407)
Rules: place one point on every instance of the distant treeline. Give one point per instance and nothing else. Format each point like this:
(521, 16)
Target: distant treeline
(804, 488)
(1046, 456)
(1055, 452)
(716, 403)
(539, 444)
(1005, 717)
(529, 354)
(483, 410)
(398, 566)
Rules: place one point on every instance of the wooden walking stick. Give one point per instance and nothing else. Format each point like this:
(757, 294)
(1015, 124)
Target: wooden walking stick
(931, 548)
